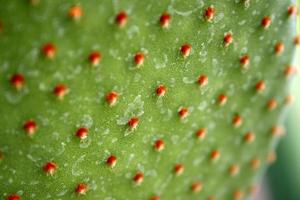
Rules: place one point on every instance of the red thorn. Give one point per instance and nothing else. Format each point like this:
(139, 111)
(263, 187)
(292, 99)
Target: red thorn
(196, 186)
(297, 40)
(17, 80)
(202, 80)
(165, 19)
(178, 169)
(234, 170)
(255, 163)
(155, 197)
(139, 59)
(111, 98)
(215, 155)
(30, 127)
(13, 197)
(279, 48)
(244, 61)
(81, 188)
(183, 113)
(138, 178)
(266, 22)
(272, 104)
(121, 18)
(185, 50)
(237, 120)
(260, 86)
(292, 10)
(161, 90)
(95, 58)
(238, 195)
(111, 161)
(290, 70)
(201, 133)
(277, 131)
(60, 91)
(82, 133)
(159, 145)
(75, 12)
(222, 99)
(249, 137)
(227, 39)
(49, 50)
(209, 13)
(133, 122)
(50, 168)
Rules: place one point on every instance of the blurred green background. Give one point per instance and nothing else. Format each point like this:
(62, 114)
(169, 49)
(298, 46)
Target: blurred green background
(282, 180)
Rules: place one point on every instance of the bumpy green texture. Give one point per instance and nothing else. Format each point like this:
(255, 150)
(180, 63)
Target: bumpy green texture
(28, 25)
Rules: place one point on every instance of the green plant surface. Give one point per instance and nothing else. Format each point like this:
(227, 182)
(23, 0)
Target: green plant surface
(221, 127)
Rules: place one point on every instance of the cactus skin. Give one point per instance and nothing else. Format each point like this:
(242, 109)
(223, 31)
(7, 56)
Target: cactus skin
(82, 114)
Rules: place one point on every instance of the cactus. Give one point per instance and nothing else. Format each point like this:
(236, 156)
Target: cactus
(141, 99)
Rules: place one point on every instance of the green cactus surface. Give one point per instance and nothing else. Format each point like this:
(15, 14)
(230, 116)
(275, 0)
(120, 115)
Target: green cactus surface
(141, 99)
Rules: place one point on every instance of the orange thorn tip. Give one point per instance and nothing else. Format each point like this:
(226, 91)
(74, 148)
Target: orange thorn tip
(215, 155)
(154, 197)
(30, 127)
(161, 90)
(277, 131)
(271, 157)
(237, 121)
(121, 18)
(238, 195)
(82, 133)
(50, 168)
(202, 80)
(272, 104)
(292, 10)
(49, 50)
(133, 122)
(196, 187)
(178, 169)
(111, 98)
(111, 161)
(201, 133)
(139, 59)
(234, 170)
(81, 189)
(60, 91)
(14, 197)
(185, 50)
(249, 137)
(17, 80)
(279, 48)
(255, 163)
(138, 178)
(159, 145)
(165, 19)
(260, 86)
(95, 58)
(266, 22)
(244, 61)
(183, 113)
(222, 99)
(227, 39)
(209, 13)
(75, 12)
